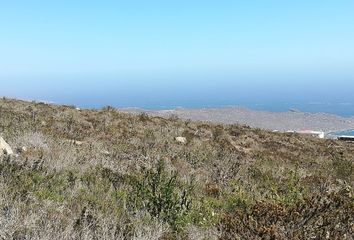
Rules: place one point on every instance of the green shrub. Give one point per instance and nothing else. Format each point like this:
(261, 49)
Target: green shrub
(291, 191)
(161, 194)
(344, 168)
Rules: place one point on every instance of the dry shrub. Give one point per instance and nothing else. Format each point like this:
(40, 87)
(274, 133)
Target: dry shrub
(318, 217)
(47, 220)
(149, 228)
(197, 233)
(32, 140)
(250, 183)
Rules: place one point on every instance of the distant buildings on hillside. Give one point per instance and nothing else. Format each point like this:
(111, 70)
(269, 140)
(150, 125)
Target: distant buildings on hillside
(322, 135)
(317, 134)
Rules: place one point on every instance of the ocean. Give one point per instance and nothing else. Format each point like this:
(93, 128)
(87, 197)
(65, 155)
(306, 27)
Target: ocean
(327, 96)
(344, 133)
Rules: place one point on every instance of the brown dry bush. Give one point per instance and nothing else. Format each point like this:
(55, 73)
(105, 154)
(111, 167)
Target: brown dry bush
(73, 179)
(327, 216)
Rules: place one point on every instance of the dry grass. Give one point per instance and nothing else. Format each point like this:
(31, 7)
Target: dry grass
(78, 171)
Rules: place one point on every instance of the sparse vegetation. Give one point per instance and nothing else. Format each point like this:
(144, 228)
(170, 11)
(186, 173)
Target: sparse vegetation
(102, 174)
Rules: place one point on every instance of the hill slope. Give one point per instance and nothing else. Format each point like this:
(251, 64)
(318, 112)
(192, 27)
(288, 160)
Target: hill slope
(84, 174)
(281, 121)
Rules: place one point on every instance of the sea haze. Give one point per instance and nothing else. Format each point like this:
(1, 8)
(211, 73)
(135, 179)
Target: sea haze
(328, 96)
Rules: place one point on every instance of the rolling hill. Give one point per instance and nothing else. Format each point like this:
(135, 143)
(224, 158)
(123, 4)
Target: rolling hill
(106, 174)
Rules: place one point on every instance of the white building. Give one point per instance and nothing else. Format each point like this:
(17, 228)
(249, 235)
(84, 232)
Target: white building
(318, 134)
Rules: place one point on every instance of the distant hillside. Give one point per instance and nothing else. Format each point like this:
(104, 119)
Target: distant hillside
(282, 121)
(105, 174)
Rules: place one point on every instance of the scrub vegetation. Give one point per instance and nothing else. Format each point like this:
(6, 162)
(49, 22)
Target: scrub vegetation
(103, 174)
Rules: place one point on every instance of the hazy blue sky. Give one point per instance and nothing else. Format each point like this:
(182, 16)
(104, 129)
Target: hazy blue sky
(71, 50)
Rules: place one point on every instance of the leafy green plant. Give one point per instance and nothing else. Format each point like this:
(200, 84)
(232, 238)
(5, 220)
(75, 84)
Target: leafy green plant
(344, 168)
(291, 191)
(161, 194)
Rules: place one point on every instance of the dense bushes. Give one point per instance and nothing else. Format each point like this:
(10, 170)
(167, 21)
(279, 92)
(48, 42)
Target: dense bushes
(327, 216)
(162, 195)
(107, 175)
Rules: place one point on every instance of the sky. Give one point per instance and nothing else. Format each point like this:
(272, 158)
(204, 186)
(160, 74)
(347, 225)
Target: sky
(126, 52)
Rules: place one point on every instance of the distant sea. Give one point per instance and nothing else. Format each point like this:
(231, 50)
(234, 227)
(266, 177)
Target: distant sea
(343, 109)
(339, 109)
(338, 100)
(335, 108)
(332, 94)
(344, 133)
